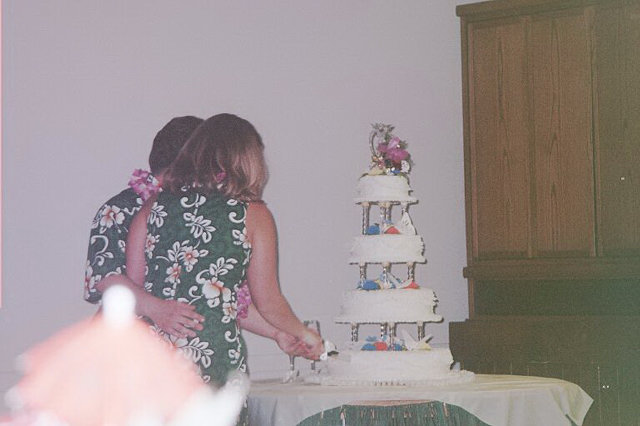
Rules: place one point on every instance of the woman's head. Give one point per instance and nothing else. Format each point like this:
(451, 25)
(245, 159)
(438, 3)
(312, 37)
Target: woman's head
(225, 151)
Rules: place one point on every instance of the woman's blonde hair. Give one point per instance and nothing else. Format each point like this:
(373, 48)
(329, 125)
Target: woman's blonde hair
(225, 153)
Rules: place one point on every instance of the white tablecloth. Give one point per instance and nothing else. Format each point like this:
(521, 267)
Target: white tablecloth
(499, 400)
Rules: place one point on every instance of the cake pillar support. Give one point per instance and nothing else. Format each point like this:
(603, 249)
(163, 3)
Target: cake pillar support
(363, 273)
(385, 275)
(365, 218)
(392, 334)
(383, 330)
(420, 330)
(354, 332)
(411, 271)
(385, 212)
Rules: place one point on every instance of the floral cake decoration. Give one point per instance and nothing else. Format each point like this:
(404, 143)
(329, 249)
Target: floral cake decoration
(384, 343)
(389, 155)
(407, 343)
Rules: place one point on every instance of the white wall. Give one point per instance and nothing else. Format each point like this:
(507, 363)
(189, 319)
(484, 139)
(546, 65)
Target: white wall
(88, 83)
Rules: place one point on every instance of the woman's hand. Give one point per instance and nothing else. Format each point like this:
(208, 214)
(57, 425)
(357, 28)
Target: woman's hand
(313, 343)
(176, 318)
(290, 344)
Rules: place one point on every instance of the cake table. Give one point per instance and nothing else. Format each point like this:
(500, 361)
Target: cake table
(497, 400)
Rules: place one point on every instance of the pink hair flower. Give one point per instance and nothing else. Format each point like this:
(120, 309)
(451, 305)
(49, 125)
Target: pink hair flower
(220, 176)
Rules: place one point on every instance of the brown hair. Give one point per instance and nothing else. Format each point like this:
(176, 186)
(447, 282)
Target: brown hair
(223, 145)
(169, 140)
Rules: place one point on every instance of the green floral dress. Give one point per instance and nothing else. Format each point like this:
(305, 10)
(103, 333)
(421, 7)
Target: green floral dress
(197, 252)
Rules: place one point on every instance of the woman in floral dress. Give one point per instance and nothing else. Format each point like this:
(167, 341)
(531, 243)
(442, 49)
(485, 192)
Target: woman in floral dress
(207, 233)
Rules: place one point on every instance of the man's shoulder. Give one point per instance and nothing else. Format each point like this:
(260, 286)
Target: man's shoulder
(125, 198)
(127, 202)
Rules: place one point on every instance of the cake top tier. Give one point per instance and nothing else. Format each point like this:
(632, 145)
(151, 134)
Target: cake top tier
(383, 189)
(389, 155)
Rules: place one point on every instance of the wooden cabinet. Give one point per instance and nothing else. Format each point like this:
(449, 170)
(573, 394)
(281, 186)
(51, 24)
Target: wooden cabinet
(552, 140)
(551, 98)
(552, 130)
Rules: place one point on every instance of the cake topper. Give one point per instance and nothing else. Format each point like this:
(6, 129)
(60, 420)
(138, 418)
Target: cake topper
(389, 156)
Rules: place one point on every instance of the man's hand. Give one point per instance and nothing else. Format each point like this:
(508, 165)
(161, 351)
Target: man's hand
(176, 318)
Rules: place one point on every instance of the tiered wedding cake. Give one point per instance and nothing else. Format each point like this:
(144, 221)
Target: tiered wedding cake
(388, 300)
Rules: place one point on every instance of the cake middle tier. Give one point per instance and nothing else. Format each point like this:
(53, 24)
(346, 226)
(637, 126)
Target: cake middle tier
(399, 305)
(387, 248)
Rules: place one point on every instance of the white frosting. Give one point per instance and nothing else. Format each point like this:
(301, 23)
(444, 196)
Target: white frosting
(393, 368)
(383, 188)
(407, 305)
(387, 248)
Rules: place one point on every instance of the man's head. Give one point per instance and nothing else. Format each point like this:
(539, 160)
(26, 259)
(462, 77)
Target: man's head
(170, 140)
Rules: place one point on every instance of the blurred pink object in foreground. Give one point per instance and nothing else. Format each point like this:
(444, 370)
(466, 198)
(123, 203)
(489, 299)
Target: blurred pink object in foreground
(114, 371)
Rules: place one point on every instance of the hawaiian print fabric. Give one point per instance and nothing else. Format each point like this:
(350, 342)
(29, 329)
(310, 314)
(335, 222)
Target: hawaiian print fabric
(197, 252)
(107, 241)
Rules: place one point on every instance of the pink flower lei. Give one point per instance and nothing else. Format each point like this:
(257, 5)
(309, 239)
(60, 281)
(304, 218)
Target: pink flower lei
(144, 184)
(244, 300)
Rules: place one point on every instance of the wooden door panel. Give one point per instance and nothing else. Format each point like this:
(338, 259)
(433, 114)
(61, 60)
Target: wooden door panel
(561, 79)
(617, 66)
(499, 128)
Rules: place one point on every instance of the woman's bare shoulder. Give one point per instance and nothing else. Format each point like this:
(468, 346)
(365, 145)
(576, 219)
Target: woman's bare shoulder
(257, 211)
(259, 219)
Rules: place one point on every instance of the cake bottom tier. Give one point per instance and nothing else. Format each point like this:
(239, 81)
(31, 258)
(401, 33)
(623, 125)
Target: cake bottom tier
(406, 305)
(422, 367)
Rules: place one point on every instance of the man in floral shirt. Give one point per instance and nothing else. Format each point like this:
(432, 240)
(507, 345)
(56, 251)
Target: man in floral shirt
(109, 229)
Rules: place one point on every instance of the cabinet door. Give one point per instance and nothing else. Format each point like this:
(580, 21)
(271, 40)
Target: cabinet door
(560, 68)
(500, 137)
(617, 67)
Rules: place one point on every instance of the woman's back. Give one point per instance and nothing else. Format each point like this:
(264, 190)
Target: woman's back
(197, 252)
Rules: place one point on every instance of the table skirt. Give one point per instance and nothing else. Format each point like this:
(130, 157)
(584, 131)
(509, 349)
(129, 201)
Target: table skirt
(388, 413)
(496, 400)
